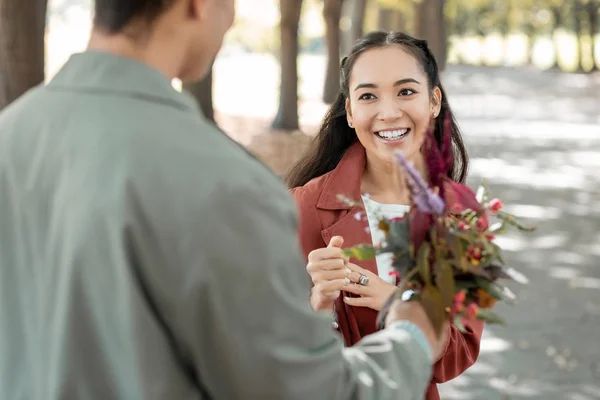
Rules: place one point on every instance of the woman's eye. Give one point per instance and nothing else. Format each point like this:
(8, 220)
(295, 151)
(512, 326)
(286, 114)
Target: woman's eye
(366, 96)
(406, 92)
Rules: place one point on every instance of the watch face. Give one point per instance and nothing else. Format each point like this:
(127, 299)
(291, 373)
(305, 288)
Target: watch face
(406, 296)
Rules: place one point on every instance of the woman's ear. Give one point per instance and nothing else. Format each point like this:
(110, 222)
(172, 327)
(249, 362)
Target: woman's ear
(349, 113)
(436, 102)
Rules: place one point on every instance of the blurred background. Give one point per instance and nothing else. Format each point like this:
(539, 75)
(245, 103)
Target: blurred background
(522, 77)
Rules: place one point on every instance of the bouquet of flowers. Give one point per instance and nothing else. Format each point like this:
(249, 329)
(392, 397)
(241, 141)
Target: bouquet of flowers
(443, 251)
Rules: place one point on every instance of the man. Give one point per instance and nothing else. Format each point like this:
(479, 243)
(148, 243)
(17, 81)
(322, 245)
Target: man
(144, 255)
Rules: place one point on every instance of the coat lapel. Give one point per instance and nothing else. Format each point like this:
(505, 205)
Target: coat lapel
(352, 223)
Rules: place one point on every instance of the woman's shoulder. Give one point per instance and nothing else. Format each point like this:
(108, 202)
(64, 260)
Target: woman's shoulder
(309, 193)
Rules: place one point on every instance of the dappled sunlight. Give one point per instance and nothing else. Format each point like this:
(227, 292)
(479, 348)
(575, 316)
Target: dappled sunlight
(508, 243)
(550, 241)
(585, 283)
(569, 257)
(498, 170)
(532, 211)
(512, 387)
(494, 345)
(568, 273)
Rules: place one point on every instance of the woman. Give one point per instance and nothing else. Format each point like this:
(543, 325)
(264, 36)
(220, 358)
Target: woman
(390, 94)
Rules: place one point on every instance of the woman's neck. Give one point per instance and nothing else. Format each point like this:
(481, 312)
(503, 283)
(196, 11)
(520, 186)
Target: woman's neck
(384, 181)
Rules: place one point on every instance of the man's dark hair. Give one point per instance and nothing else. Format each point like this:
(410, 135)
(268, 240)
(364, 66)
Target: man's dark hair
(112, 16)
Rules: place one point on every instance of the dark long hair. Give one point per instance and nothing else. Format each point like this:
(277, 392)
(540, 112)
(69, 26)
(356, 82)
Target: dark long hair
(335, 136)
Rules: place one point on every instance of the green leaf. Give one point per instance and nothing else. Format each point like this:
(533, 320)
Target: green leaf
(402, 262)
(511, 220)
(361, 252)
(463, 284)
(423, 262)
(489, 316)
(399, 237)
(505, 292)
(497, 227)
(457, 251)
(480, 193)
(445, 282)
(498, 253)
(495, 290)
(458, 323)
(431, 299)
(502, 272)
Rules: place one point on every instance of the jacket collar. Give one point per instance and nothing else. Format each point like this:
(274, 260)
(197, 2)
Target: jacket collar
(345, 179)
(103, 72)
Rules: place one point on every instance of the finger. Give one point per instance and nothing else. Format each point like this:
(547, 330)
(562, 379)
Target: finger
(357, 269)
(325, 253)
(329, 288)
(358, 301)
(326, 296)
(326, 265)
(354, 276)
(336, 242)
(357, 289)
(323, 276)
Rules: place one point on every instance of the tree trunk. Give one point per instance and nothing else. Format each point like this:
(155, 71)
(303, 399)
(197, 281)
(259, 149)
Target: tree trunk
(332, 12)
(530, 32)
(578, 30)
(384, 17)
(558, 23)
(202, 92)
(287, 115)
(430, 25)
(592, 11)
(358, 20)
(22, 47)
(460, 27)
(391, 20)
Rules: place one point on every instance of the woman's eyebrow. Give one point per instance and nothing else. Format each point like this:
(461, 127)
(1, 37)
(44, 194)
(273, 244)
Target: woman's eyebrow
(397, 83)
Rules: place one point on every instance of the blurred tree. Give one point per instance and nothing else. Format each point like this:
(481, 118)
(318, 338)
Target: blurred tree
(287, 115)
(22, 47)
(393, 19)
(359, 10)
(557, 8)
(592, 9)
(578, 29)
(396, 15)
(332, 12)
(430, 25)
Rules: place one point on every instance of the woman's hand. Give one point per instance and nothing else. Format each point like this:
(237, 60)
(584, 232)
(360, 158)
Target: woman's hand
(373, 295)
(328, 270)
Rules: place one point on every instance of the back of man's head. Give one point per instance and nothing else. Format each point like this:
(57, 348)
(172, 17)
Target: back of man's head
(112, 16)
(177, 37)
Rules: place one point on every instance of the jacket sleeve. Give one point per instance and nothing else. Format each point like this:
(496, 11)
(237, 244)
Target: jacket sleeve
(238, 308)
(462, 350)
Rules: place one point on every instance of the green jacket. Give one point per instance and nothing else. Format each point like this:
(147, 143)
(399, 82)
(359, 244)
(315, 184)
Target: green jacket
(144, 255)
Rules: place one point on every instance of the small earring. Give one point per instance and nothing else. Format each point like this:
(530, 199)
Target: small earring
(350, 124)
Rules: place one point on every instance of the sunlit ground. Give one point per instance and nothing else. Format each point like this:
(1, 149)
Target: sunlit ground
(536, 137)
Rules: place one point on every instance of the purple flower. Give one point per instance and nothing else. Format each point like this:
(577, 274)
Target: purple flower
(423, 197)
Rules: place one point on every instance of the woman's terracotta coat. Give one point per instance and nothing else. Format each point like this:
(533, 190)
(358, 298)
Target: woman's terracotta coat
(322, 216)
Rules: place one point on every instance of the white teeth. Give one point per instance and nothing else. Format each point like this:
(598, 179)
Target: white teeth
(392, 134)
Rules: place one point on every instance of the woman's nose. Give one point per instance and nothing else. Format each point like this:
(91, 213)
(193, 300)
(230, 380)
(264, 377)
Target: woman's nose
(389, 110)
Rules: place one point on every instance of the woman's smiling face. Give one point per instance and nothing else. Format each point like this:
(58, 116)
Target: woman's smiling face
(390, 105)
